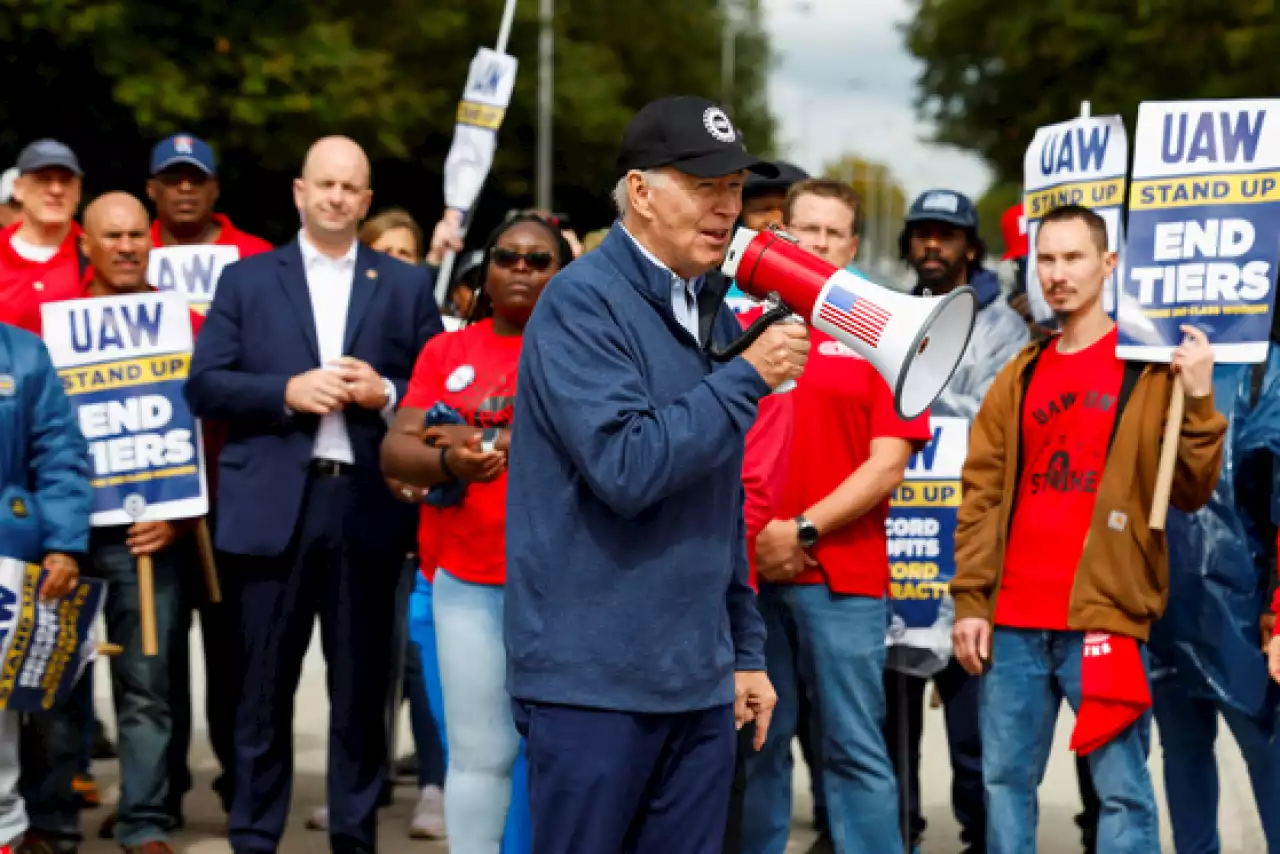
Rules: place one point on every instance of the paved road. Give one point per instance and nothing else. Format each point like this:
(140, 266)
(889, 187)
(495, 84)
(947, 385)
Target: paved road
(1241, 833)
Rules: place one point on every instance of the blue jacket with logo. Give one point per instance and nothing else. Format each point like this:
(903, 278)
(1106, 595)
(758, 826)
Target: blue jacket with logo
(626, 556)
(44, 464)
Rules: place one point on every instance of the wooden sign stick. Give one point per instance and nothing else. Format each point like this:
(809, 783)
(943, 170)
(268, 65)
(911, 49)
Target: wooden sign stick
(1168, 457)
(205, 541)
(147, 603)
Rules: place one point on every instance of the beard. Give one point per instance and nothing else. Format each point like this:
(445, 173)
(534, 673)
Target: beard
(943, 278)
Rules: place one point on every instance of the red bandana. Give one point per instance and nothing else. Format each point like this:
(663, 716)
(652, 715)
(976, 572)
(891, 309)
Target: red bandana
(1113, 690)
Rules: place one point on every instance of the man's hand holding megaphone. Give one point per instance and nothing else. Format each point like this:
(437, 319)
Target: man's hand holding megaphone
(780, 353)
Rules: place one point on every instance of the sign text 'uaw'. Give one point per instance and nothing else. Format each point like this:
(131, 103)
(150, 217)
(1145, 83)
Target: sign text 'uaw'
(1078, 162)
(123, 362)
(1204, 228)
(192, 271)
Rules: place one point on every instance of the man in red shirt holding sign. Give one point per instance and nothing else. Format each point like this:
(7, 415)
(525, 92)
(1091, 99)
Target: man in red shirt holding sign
(1053, 546)
(824, 571)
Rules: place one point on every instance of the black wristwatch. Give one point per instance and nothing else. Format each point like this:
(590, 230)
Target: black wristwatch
(808, 532)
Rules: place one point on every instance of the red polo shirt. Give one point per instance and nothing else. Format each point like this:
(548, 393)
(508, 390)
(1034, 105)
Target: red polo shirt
(26, 285)
(228, 235)
(841, 404)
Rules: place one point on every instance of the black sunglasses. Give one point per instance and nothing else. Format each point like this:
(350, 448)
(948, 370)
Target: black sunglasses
(508, 258)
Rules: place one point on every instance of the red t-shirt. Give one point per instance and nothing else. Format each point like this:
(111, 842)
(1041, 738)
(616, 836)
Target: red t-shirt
(228, 235)
(1067, 418)
(841, 404)
(473, 371)
(26, 285)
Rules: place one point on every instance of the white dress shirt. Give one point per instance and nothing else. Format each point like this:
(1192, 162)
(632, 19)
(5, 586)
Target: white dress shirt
(329, 281)
(684, 292)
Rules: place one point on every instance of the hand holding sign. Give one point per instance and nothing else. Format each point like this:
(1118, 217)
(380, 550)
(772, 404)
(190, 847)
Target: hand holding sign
(1192, 367)
(147, 538)
(319, 391)
(63, 576)
(447, 237)
(1193, 363)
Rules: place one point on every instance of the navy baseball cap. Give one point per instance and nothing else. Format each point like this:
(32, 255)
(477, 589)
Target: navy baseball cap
(183, 148)
(788, 174)
(689, 134)
(48, 154)
(944, 206)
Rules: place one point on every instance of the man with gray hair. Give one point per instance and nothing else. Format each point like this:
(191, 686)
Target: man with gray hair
(634, 645)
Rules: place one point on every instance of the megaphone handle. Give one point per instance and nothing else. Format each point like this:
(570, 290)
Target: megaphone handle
(788, 385)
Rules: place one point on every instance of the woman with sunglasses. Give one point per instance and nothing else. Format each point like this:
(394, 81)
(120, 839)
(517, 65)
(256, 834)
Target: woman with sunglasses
(473, 372)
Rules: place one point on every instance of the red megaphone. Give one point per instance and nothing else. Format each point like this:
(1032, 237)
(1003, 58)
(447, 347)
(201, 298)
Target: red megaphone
(915, 343)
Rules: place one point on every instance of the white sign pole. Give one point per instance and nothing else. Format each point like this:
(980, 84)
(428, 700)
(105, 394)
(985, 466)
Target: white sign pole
(466, 154)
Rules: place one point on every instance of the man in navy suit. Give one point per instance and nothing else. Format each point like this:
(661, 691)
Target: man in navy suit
(303, 355)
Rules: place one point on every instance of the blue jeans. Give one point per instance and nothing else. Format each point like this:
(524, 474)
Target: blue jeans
(841, 653)
(1030, 674)
(1188, 729)
(427, 742)
(486, 794)
(141, 688)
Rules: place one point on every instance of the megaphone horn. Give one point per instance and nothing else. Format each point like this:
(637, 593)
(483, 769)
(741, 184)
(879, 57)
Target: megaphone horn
(915, 343)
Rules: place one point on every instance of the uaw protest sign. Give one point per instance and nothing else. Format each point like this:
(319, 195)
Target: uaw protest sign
(1081, 162)
(921, 533)
(1204, 228)
(44, 646)
(123, 362)
(191, 270)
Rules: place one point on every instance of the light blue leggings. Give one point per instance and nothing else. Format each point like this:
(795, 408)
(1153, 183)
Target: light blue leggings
(477, 631)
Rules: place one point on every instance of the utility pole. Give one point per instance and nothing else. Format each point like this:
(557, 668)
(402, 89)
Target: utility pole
(728, 54)
(546, 101)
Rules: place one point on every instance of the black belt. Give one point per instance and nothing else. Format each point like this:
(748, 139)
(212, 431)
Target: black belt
(330, 468)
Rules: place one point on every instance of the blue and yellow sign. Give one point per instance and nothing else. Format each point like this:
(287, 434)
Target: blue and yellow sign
(1204, 227)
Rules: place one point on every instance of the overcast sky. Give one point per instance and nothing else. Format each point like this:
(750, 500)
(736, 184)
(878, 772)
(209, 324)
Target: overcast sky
(843, 82)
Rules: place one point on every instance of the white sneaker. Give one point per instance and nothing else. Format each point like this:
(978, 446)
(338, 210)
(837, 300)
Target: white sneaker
(319, 819)
(428, 815)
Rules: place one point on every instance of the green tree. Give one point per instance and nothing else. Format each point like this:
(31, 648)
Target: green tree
(884, 205)
(995, 71)
(261, 79)
(999, 197)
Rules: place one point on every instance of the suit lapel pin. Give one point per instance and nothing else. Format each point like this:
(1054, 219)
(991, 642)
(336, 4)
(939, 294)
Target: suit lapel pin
(372, 274)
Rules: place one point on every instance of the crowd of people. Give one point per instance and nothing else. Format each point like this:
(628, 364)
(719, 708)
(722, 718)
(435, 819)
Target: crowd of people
(610, 623)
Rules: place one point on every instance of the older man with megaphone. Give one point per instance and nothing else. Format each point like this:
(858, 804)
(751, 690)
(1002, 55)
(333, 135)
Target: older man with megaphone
(634, 645)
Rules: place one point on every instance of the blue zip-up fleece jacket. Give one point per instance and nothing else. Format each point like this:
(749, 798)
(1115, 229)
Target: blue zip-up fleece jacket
(626, 554)
(44, 461)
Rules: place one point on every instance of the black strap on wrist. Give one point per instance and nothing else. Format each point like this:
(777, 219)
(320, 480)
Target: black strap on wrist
(444, 465)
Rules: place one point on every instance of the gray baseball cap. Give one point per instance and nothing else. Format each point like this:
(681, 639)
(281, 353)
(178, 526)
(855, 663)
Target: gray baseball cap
(48, 154)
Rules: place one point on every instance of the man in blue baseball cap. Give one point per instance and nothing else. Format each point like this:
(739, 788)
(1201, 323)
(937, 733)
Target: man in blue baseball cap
(940, 242)
(184, 187)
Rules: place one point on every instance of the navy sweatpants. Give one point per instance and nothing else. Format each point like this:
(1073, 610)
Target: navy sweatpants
(606, 781)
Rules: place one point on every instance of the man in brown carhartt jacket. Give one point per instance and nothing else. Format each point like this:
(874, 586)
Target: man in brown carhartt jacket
(1053, 542)
(1122, 579)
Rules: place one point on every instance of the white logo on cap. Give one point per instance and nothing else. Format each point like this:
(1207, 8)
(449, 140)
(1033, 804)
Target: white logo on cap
(941, 202)
(182, 144)
(718, 124)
